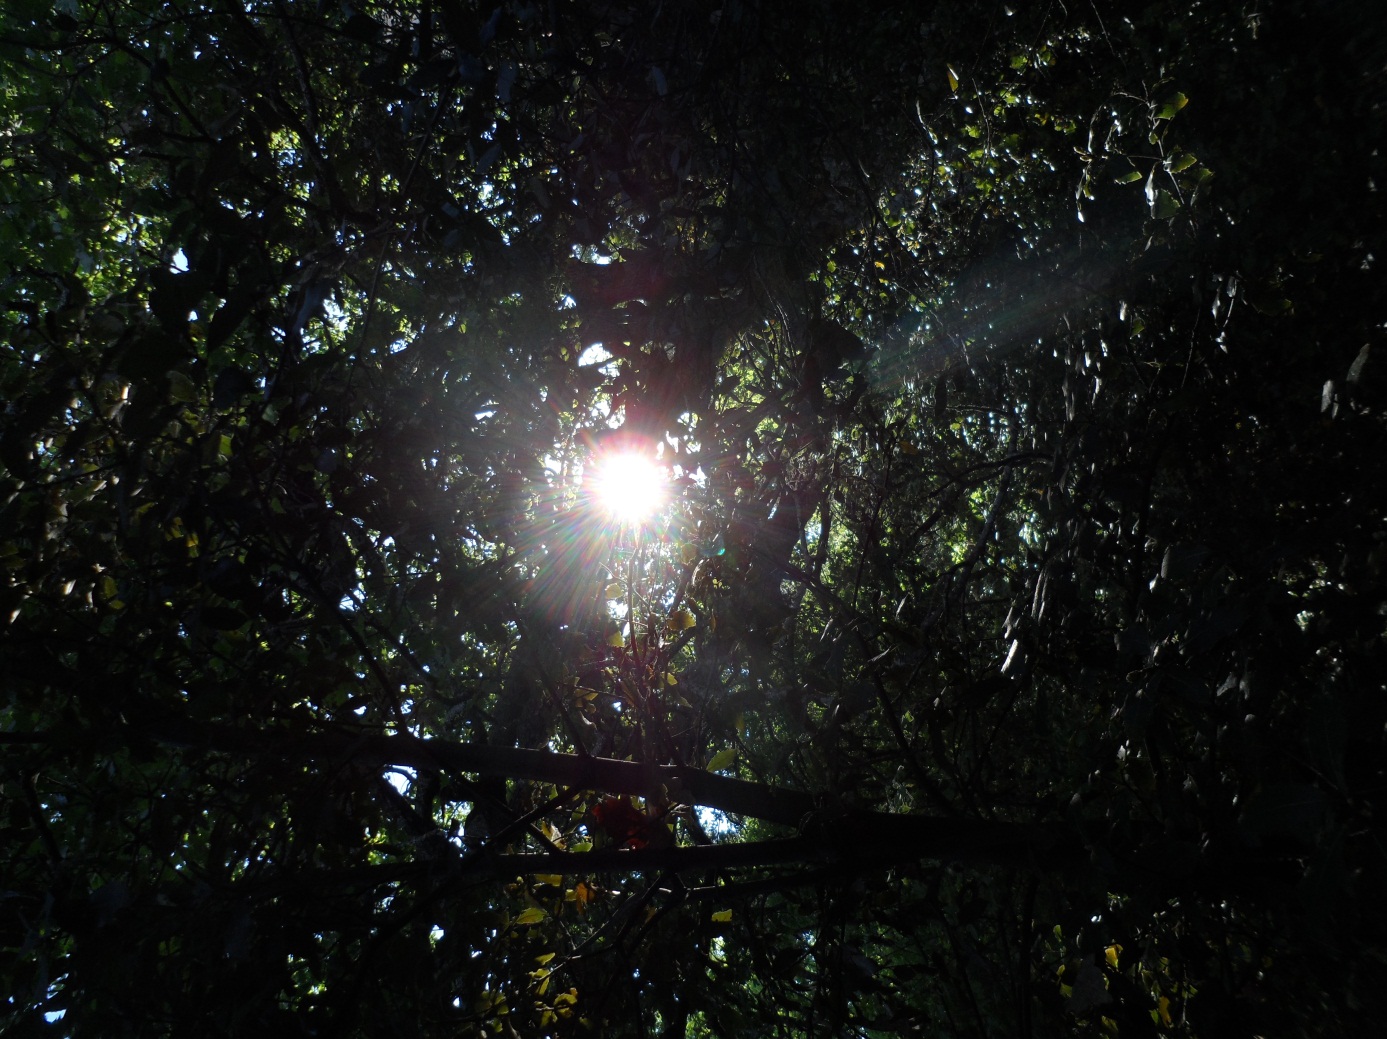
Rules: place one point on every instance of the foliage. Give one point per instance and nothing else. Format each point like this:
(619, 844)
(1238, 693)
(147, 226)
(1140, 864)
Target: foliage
(1007, 661)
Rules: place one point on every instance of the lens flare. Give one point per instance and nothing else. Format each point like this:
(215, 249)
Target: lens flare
(631, 487)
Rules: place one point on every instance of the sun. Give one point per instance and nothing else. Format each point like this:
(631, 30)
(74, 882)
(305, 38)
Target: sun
(629, 485)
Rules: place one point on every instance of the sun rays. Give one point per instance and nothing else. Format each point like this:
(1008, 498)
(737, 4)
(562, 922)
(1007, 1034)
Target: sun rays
(629, 486)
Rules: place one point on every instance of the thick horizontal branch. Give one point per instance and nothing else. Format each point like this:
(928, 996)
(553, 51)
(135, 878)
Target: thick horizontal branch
(681, 784)
(827, 833)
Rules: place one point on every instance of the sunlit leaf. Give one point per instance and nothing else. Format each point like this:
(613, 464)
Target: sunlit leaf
(1180, 162)
(1165, 205)
(1171, 105)
(722, 759)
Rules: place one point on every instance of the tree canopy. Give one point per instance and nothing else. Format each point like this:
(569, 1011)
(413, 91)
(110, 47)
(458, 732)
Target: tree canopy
(1005, 656)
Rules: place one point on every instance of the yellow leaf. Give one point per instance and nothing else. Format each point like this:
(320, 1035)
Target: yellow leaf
(1111, 954)
(688, 553)
(552, 879)
(533, 915)
(1163, 1009)
(542, 960)
(670, 679)
(722, 759)
(614, 590)
(723, 916)
(616, 639)
(580, 895)
(681, 620)
(953, 78)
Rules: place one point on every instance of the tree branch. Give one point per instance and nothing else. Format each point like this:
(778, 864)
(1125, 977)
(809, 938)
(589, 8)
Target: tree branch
(827, 834)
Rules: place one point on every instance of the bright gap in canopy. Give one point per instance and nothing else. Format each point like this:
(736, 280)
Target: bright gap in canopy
(629, 485)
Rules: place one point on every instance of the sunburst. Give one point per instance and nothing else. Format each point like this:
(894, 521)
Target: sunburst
(628, 485)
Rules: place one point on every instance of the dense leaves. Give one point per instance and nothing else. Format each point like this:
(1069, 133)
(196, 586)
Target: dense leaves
(1008, 658)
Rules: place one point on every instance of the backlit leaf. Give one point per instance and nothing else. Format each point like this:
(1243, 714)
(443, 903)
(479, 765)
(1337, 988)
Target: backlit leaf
(1180, 162)
(1171, 105)
(722, 759)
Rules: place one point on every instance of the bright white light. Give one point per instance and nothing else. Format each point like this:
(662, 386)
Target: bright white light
(628, 485)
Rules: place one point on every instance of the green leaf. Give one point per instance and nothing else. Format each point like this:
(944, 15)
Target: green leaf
(1171, 105)
(1165, 205)
(722, 759)
(181, 388)
(1180, 161)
